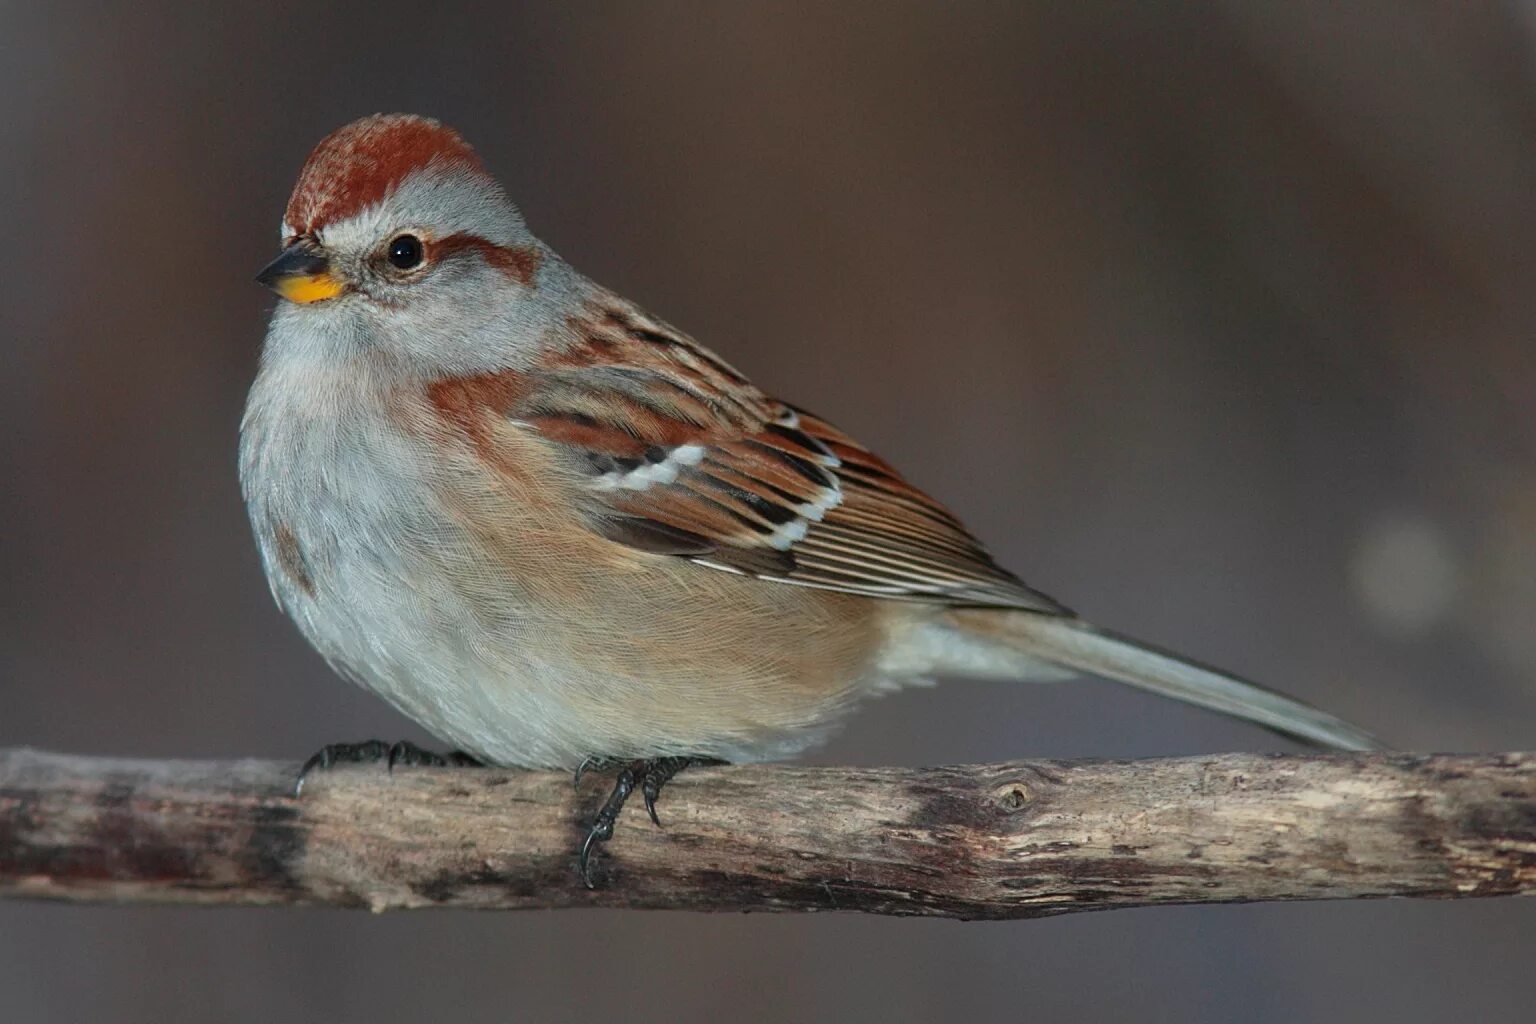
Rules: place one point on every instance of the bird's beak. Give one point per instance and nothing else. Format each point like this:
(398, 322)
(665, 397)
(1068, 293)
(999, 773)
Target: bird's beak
(301, 275)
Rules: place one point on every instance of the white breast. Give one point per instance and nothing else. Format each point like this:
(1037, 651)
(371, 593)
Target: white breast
(360, 552)
(520, 657)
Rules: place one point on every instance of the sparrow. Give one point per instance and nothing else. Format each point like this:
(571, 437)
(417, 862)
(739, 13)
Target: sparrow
(556, 531)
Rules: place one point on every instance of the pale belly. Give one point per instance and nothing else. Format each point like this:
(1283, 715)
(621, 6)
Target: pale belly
(510, 632)
(625, 670)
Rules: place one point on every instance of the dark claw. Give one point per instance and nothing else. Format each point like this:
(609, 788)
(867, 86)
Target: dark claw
(650, 791)
(409, 754)
(661, 772)
(584, 862)
(593, 764)
(374, 751)
(367, 752)
(649, 776)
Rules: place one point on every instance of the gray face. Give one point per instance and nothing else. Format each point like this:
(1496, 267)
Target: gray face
(476, 289)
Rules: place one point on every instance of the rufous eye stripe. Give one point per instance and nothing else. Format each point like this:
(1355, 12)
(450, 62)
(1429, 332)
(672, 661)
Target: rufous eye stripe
(519, 263)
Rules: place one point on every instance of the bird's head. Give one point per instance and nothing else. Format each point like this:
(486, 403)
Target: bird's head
(397, 239)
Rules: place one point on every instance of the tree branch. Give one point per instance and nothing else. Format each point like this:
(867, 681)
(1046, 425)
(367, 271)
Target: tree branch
(1023, 839)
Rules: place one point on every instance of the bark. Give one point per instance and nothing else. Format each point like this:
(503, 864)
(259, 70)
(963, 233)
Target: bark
(1022, 839)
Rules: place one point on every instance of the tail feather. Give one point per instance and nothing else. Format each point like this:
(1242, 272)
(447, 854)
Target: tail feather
(1076, 644)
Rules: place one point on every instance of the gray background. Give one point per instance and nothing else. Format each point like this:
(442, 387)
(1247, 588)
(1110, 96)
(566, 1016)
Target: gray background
(1215, 320)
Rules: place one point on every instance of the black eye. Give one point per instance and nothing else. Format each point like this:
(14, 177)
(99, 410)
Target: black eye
(406, 252)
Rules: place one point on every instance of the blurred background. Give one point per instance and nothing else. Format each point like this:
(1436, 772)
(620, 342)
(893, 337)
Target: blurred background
(1214, 320)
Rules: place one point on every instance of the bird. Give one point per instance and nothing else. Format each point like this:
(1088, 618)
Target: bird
(558, 533)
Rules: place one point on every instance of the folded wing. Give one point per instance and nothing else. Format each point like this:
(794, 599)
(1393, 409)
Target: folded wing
(681, 455)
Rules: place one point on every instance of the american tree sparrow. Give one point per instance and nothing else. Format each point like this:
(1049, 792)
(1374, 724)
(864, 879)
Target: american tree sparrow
(552, 528)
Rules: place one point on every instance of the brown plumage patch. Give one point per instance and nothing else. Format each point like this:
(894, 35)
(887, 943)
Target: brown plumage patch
(581, 430)
(470, 404)
(290, 558)
(359, 164)
(519, 263)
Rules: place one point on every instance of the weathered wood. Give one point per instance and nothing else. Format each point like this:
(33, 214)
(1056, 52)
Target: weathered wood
(1023, 839)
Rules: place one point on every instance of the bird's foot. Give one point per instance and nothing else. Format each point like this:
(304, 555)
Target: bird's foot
(376, 751)
(648, 776)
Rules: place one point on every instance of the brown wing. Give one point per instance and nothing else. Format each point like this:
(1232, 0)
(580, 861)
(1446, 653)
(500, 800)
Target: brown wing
(681, 455)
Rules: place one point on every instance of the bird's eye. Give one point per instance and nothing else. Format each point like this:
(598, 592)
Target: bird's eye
(406, 252)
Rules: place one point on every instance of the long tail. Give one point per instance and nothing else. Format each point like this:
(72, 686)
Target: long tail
(1075, 644)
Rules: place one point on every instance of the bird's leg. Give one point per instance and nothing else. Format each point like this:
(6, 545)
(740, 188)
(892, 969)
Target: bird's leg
(374, 751)
(648, 776)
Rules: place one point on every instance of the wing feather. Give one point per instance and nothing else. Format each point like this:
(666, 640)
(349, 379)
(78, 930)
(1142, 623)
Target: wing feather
(682, 456)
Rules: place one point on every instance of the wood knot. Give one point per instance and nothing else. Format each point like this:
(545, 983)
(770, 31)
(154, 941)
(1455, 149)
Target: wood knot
(1012, 796)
